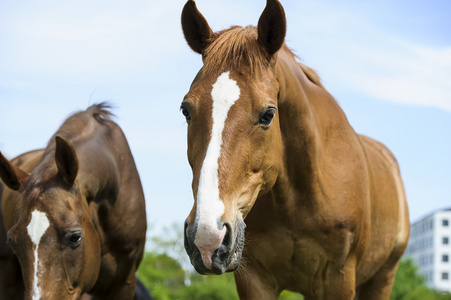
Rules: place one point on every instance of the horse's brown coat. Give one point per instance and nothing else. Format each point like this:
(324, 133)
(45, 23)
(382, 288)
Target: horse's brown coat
(324, 207)
(84, 181)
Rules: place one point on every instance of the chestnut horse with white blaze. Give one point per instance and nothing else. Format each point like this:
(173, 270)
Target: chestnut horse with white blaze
(74, 214)
(276, 163)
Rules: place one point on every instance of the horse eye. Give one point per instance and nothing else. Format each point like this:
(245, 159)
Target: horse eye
(267, 116)
(185, 112)
(74, 238)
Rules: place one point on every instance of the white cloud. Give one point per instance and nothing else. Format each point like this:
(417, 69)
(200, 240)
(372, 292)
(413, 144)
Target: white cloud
(406, 73)
(82, 39)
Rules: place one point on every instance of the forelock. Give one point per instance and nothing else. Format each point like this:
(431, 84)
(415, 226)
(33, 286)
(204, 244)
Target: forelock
(235, 47)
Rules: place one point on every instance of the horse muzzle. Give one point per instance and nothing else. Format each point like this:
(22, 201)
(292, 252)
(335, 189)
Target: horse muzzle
(215, 251)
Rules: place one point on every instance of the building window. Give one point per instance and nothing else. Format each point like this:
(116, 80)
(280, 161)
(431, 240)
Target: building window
(444, 275)
(445, 258)
(445, 240)
(445, 222)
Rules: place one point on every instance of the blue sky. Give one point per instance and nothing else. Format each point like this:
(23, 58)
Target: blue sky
(388, 63)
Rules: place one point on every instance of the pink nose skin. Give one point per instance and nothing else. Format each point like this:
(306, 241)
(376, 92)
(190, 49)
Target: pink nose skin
(208, 239)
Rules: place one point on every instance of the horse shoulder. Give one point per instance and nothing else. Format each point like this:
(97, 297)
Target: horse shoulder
(118, 208)
(388, 229)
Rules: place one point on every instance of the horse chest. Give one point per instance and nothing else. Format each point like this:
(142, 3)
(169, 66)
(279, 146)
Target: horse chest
(298, 249)
(296, 264)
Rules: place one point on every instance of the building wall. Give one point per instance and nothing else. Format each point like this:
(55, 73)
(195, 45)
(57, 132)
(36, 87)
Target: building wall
(442, 274)
(430, 247)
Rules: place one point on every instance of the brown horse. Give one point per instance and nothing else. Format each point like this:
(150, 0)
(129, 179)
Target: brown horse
(74, 212)
(271, 151)
(11, 282)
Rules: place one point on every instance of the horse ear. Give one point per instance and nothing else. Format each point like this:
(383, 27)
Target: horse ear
(272, 27)
(11, 175)
(66, 160)
(195, 28)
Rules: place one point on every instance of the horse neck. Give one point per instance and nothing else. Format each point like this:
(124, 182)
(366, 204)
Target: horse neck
(97, 175)
(307, 115)
(296, 117)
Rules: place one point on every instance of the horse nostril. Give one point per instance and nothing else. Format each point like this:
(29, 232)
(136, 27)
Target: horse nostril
(186, 228)
(187, 241)
(228, 239)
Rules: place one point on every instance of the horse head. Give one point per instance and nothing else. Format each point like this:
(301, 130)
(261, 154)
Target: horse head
(234, 137)
(53, 236)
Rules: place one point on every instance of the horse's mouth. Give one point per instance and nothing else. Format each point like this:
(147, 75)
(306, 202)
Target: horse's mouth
(235, 255)
(235, 263)
(225, 259)
(222, 262)
(236, 259)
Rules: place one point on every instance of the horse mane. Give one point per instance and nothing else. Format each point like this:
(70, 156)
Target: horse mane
(76, 124)
(311, 74)
(231, 48)
(73, 128)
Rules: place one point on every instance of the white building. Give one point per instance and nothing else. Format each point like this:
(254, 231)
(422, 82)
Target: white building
(430, 247)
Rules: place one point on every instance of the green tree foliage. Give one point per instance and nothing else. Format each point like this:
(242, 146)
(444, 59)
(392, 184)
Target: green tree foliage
(210, 288)
(162, 275)
(287, 295)
(411, 285)
(166, 280)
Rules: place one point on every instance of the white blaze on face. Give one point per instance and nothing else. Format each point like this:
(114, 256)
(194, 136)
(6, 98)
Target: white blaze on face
(36, 228)
(209, 206)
